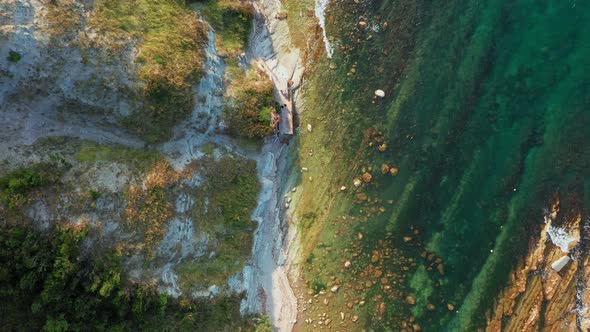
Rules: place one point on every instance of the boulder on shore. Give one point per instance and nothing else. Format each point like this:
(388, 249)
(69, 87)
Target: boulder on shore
(559, 264)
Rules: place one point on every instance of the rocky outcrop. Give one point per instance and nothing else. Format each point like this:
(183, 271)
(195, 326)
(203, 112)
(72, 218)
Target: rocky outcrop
(544, 286)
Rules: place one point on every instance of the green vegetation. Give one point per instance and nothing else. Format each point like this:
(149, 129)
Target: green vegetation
(13, 56)
(93, 152)
(15, 186)
(223, 210)
(47, 284)
(94, 195)
(171, 42)
(150, 205)
(232, 20)
(264, 325)
(147, 212)
(253, 105)
(63, 17)
(318, 285)
(252, 93)
(265, 114)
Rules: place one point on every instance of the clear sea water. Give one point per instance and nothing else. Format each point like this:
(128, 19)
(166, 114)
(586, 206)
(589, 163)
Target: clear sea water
(487, 113)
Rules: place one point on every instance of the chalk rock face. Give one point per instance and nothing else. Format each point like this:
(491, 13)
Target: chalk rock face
(69, 72)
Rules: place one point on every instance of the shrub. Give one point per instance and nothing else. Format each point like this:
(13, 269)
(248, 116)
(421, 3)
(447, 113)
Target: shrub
(94, 195)
(14, 56)
(264, 325)
(15, 186)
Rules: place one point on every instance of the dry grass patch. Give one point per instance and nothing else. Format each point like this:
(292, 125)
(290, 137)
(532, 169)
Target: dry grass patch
(63, 16)
(150, 206)
(169, 41)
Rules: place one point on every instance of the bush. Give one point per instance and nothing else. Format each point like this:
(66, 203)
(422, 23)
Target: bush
(15, 186)
(264, 325)
(94, 195)
(14, 56)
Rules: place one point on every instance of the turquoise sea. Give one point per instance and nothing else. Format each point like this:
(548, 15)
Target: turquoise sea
(487, 114)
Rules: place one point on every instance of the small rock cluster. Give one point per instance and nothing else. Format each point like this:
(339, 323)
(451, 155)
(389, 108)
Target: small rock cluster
(376, 139)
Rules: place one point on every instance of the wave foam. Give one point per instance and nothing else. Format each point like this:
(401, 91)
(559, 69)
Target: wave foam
(320, 13)
(560, 237)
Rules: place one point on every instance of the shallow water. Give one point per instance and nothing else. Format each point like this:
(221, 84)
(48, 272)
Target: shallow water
(485, 114)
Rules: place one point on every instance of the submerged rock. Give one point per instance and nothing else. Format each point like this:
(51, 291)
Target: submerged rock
(362, 197)
(357, 182)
